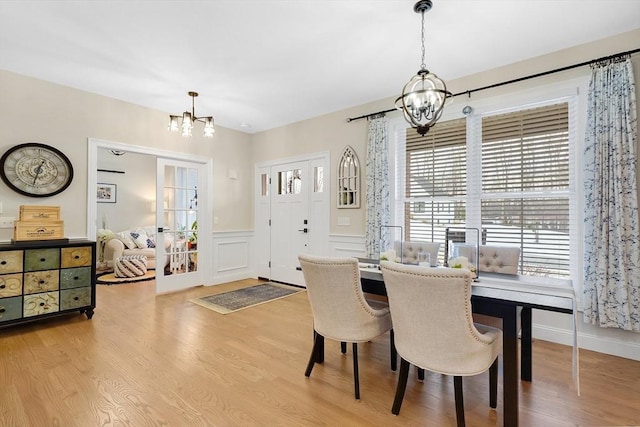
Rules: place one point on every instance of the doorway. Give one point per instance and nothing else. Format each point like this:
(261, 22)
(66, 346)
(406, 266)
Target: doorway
(292, 215)
(201, 170)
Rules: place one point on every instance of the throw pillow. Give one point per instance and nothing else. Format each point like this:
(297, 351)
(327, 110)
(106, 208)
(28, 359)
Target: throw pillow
(140, 238)
(151, 242)
(125, 238)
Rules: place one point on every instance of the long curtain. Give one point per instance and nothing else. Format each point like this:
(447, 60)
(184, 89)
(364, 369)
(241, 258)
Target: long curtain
(612, 242)
(378, 212)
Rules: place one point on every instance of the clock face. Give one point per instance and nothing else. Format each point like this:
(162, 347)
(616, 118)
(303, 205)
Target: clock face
(36, 170)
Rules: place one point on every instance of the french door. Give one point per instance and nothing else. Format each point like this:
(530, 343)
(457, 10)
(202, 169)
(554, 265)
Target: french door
(181, 193)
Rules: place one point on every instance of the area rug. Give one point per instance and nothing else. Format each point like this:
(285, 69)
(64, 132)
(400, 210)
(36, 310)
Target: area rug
(232, 301)
(111, 279)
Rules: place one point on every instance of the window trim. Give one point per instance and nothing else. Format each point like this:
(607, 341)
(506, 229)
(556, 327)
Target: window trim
(569, 90)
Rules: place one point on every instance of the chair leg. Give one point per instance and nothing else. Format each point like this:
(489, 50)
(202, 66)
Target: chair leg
(356, 376)
(493, 384)
(343, 347)
(394, 353)
(318, 342)
(420, 374)
(457, 385)
(319, 350)
(402, 386)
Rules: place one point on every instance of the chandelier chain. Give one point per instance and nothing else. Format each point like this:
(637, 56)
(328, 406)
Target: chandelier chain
(423, 66)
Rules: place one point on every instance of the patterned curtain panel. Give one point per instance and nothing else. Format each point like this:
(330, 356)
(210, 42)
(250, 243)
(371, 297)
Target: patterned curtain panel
(377, 205)
(612, 242)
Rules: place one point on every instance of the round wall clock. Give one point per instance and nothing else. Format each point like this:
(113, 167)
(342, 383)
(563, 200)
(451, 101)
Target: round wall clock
(36, 170)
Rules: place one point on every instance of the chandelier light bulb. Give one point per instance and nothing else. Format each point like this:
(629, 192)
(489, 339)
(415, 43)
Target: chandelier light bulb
(173, 124)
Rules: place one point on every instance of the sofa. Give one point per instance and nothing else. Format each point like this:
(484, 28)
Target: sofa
(136, 241)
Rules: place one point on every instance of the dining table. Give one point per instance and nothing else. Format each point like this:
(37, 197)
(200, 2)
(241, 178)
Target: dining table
(505, 296)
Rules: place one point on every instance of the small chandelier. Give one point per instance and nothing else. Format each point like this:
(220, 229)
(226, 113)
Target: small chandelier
(188, 118)
(423, 97)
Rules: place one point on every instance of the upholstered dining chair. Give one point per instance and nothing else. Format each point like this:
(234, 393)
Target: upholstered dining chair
(412, 249)
(497, 259)
(340, 311)
(434, 330)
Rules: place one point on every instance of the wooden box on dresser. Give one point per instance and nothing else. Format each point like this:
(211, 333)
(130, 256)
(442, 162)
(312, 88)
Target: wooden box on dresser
(46, 278)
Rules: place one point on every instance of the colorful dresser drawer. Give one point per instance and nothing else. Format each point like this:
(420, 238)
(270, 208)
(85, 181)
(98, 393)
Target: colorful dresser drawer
(76, 257)
(41, 281)
(10, 285)
(10, 308)
(34, 283)
(75, 277)
(36, 304)
(10, 262)
(74, 298)
(41, 259)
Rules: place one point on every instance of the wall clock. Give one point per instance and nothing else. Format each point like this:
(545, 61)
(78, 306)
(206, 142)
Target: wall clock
(36, 170)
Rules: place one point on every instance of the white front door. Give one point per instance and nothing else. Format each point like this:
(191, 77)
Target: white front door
(289, 220)
(292, 217)
(181, 194)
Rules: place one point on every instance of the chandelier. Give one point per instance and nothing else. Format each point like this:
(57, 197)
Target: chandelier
(423, 97)
(188, 118)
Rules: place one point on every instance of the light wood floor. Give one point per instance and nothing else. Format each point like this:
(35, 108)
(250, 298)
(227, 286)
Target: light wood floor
(147, 360)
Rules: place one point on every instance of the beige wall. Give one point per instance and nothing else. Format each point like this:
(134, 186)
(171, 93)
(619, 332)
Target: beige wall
(33, 110)
(332, 132)
(135, 190)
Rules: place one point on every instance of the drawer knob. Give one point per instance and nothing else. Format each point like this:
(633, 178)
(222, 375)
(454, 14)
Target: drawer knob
(76, 278)
(43, 259)
(3, 262)
(41, 304)
(41, 282)
(76, 298)
(3, 286)
(77, 257)
(2, 310)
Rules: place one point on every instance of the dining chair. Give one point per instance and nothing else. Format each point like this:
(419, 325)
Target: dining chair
(498, 259)
(340, 310)
(410, 251)
(431, 314)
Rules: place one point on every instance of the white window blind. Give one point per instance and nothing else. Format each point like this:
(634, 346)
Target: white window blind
(436, 180)
(523, 198)
(525, 186)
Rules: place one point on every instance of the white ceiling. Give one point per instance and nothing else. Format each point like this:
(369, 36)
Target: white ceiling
(268, 63)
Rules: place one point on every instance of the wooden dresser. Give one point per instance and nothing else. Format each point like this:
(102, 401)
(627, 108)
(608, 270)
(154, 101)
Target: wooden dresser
(46, 278)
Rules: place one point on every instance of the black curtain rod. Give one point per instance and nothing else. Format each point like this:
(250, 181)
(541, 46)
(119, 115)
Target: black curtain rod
(520, 79)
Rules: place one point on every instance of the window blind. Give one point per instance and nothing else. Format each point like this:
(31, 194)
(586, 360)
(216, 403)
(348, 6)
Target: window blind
(525, 186)
(523, 198)
(436, 180)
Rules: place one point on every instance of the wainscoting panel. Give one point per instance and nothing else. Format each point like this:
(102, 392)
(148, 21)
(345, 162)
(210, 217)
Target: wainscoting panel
(232, 251)
(346, 246)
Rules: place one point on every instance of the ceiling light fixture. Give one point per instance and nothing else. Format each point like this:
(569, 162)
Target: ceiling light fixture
(188, 118)
(423, 97)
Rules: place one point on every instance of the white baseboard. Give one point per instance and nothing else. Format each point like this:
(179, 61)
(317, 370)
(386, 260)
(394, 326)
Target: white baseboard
(587, 341)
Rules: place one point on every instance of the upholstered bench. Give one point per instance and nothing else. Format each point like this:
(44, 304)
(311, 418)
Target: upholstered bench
(130, 266)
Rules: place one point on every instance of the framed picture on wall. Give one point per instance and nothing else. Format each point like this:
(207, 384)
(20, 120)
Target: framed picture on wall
(106, 193)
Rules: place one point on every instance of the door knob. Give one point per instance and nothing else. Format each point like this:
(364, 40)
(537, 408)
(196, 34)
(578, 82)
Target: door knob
(304, 230)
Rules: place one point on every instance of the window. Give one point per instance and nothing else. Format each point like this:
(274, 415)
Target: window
(436, 180)
(511, 177)
(525, 186)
